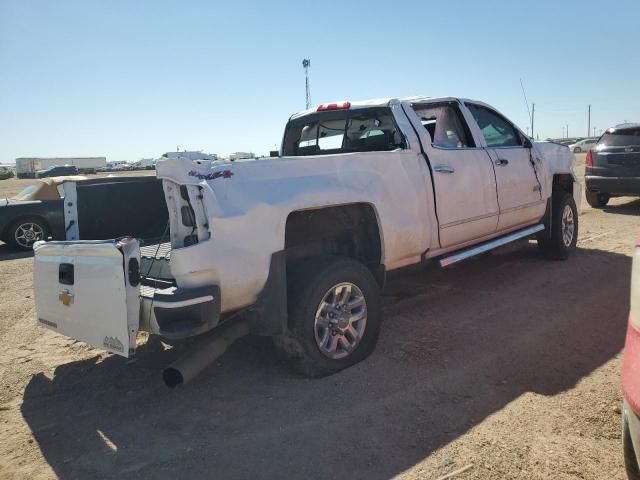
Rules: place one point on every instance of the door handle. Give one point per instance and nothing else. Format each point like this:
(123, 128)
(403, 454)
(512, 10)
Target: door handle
(443, 169)
(501, 162)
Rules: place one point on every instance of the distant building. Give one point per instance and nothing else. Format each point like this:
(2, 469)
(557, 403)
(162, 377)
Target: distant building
(241, 155)
(193, 155)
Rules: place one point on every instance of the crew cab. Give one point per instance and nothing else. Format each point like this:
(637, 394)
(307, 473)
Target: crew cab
(298, 246)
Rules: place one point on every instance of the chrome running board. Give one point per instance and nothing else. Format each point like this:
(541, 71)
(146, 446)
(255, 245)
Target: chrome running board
(465, 253)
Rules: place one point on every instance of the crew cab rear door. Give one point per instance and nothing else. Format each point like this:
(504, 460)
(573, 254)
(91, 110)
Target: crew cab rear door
(463, 174)
(519, 191)
(89, 291)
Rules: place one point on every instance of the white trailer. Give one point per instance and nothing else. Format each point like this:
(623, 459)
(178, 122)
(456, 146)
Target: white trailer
(27, 167)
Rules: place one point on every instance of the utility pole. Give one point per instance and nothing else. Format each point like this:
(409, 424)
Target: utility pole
(306, 63)
(567, 131)
(533, 114)
(589, 121)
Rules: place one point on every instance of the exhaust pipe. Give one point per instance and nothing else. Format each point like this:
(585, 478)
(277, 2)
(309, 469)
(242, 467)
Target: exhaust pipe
(203, 353)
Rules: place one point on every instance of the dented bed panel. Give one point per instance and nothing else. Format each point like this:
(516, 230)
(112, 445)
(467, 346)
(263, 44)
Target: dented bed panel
(247, 204)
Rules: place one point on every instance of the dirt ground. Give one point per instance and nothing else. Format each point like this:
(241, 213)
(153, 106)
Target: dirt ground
(507, 362)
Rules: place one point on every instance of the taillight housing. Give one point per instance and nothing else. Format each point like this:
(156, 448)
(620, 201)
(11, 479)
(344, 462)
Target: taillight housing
(635, 288)
(589, 160)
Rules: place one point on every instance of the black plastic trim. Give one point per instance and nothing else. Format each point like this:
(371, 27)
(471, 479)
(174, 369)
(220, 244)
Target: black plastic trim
(268, 315)
(190, 320)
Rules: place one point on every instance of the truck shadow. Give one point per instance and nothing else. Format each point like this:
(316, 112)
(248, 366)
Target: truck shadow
(456, 346)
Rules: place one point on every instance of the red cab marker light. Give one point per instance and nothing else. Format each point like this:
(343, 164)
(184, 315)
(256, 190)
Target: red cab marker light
(334, 106)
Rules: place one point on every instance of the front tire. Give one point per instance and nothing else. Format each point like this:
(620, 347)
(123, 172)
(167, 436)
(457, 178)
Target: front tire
(564, 228)
(577, 150)
(334, 316)
(597, 200)
(25, 232)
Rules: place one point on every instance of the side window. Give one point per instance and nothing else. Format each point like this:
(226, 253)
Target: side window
(497, 131)
(444, 125)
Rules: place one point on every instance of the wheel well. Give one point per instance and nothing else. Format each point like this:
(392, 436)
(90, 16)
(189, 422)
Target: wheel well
(563, 182)
(346, 230)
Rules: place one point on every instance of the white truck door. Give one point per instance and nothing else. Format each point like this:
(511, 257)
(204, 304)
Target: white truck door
(463, 175)
(519, 191)
(89, 290)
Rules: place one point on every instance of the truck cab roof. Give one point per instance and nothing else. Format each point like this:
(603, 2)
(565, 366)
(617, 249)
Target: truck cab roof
(384, 102)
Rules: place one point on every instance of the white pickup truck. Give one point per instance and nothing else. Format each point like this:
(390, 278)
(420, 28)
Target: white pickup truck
(297, 246)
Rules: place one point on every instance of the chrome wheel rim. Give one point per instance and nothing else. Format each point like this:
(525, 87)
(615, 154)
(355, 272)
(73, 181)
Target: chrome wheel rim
(341, 319)
(568, 226)
(28, 233)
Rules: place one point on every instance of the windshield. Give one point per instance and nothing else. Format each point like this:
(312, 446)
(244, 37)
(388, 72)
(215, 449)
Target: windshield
(28, 192)
(621, 138)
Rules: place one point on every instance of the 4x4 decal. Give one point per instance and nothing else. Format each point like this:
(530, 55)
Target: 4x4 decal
(211, 176)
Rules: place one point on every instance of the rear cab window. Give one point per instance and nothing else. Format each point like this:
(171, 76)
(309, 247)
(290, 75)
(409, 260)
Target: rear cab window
(342, 131)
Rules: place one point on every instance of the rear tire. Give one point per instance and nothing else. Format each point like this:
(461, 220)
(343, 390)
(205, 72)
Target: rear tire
(564, 228)
(597, 200)
(577, 150)
(334, 316)
(23, 233)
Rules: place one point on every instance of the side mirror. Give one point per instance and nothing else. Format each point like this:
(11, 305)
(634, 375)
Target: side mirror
(526, 142)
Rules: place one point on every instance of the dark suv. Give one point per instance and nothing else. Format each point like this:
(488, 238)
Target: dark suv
(57, 171)
(612, 167)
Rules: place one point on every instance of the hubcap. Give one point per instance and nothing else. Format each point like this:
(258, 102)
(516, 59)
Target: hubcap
(340, 320)
(568, 226)
(28, 233)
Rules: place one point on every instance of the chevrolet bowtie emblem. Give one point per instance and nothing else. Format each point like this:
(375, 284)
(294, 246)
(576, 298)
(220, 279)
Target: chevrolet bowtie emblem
(65, 297)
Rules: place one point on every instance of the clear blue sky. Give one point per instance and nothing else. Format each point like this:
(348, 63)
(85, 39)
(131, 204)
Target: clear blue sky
(133, 79)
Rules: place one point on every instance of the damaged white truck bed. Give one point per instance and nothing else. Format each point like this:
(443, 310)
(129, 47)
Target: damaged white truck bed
(297, 246)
